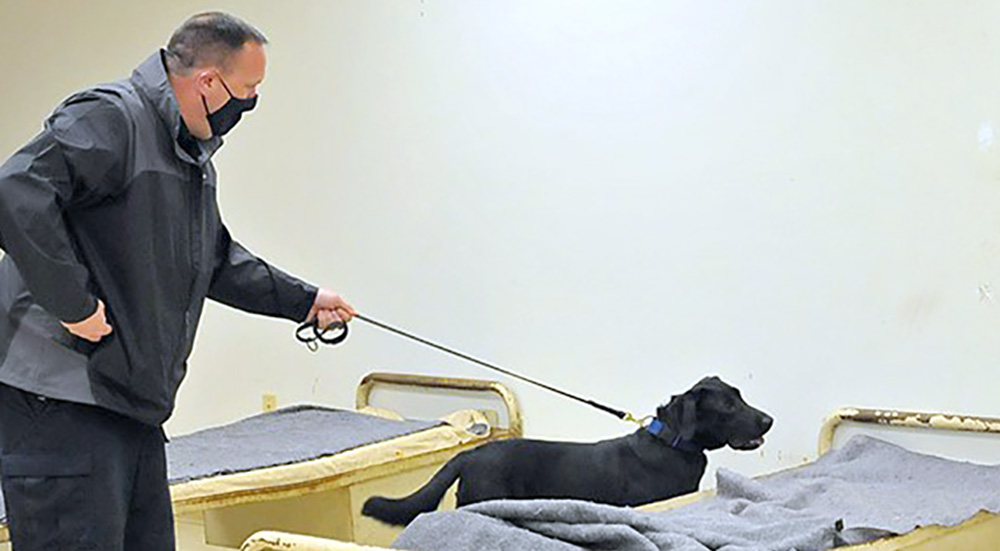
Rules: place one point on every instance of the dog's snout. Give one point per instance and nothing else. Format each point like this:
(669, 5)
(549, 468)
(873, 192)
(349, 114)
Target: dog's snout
(765, 421)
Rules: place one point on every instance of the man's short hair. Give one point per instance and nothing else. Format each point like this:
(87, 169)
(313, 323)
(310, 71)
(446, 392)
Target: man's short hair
(208, 39)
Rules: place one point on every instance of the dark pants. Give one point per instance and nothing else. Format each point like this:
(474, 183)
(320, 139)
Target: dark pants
(78, 477)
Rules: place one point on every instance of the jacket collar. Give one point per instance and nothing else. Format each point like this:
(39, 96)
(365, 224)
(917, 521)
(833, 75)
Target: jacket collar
(150, 78)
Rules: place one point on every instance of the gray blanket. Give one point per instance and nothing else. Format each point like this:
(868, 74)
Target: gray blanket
(289, 435)
(869, 487)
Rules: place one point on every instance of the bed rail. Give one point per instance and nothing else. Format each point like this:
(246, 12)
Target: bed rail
(270, 540)
(910, 419)
(515, 426)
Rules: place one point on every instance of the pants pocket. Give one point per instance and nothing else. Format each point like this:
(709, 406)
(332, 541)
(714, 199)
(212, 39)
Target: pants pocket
(24, 407)
(47, 501)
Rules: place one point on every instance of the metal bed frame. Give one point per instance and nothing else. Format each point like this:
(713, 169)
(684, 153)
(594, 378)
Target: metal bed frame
(226, 518)
(979, 533)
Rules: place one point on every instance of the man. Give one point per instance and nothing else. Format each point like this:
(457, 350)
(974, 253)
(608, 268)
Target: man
(114, 240)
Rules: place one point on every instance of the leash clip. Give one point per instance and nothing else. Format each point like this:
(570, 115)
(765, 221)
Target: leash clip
(633, 419)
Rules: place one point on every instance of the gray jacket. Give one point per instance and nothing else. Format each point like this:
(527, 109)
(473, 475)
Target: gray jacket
(104, 203)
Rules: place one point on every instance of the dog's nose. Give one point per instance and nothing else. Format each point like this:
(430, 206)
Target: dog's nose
(765, 423)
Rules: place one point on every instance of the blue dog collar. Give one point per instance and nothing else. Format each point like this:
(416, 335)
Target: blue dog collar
(655, 427)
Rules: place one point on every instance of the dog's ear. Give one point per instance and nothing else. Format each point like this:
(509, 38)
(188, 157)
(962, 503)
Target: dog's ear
(680, 415)
(688, 422)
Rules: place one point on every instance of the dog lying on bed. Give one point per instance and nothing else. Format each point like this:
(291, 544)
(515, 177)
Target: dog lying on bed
(657, 462)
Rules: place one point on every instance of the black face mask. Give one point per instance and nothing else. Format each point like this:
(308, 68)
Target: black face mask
(226, 117)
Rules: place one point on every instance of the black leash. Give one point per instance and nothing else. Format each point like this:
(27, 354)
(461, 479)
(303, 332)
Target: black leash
(337, 332)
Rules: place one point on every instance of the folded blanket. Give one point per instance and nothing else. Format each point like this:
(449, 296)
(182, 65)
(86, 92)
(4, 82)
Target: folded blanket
(871, 487)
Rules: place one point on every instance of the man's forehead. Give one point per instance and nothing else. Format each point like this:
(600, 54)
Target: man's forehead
(249, 63)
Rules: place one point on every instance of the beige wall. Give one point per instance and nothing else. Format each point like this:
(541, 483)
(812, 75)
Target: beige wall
(615, 197)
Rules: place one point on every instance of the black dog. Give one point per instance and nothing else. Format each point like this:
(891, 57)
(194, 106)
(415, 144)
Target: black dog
(662, 460)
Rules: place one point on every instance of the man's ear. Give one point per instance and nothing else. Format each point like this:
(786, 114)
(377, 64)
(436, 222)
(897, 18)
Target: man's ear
(203, 80)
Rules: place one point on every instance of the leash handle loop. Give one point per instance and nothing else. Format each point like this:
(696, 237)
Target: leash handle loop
(338, 331)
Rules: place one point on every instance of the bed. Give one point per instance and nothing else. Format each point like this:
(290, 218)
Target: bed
(295, 470)
(972, 531)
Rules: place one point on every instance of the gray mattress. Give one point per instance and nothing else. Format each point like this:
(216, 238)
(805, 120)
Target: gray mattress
(865, 490)
(288, 435)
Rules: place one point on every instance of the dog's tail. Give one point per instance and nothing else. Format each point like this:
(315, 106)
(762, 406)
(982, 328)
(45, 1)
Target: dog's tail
(402, 511)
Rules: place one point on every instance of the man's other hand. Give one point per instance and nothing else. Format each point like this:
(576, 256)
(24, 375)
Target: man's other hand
(93, 328)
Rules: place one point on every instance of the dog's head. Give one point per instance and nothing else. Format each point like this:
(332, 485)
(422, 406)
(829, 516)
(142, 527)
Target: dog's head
(711, 415)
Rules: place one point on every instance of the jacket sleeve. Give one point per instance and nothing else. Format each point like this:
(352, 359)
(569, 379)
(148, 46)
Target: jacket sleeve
(77, 157)
(244, 281)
